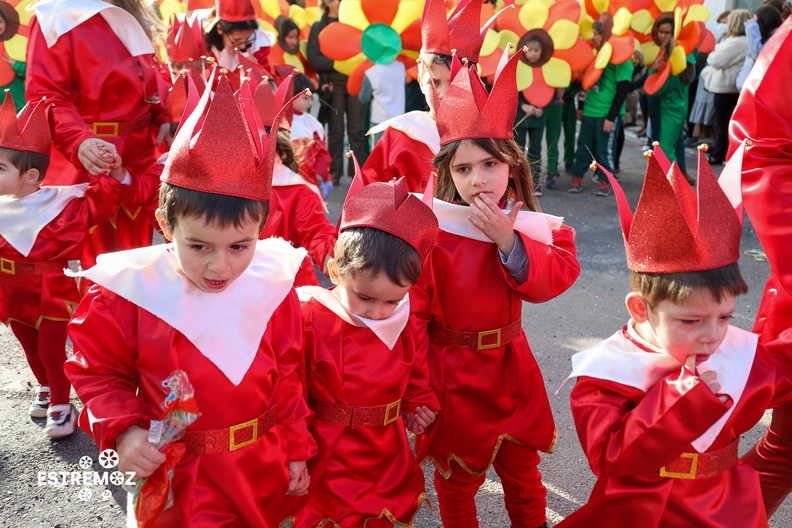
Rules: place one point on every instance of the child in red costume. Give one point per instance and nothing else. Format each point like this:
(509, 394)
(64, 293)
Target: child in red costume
(41, 229)
(217, 305)
(660, 406)
(296, 209)
(362, 366)
(469, 299)
(764, 118)
(410, 141)
(308, 140)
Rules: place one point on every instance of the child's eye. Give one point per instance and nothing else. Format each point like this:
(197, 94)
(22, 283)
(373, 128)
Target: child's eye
(394, 302)
(239, 247)
(727, 318)
(489, 164)
(197, 247)
(689, 321)
(462, 170)
(364, 298)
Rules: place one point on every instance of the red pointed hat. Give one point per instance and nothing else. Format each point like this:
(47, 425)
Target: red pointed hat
(235, 10)
(391, 208)
(461, 32)
(29, 131)
(269, 103)
(676, 229)
(468, 111)
(185, 40)
(221, 148)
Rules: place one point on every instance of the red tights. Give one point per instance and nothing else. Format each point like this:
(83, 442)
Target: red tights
(45, 349)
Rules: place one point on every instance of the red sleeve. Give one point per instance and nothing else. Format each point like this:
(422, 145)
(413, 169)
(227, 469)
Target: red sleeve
(103, 368)
(314, 231)
(378, 166)
(626, 432)
(102, 198)
(289, 394)
(145, 190)
(420, 317)
(51, 74)
(262, 57)
(552, 268)
(419, 391)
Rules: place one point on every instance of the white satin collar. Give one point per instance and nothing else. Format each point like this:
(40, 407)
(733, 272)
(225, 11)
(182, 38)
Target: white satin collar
(58, 17)
(417, 125)
(387, 330)
(225, 327)
(22, 219)
(454, 219)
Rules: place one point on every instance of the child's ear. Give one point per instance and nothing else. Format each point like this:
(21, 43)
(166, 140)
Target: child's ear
(163, 225)
(332, 271)
(32, 176)
(637, 306)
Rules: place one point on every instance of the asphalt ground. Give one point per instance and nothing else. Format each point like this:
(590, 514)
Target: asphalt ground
(33, 492)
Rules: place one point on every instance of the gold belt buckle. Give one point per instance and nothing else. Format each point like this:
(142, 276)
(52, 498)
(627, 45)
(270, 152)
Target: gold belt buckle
(7, 266)
(388, 418)
(232, 444)
(691, 474)
(487, 333)
(114, 126)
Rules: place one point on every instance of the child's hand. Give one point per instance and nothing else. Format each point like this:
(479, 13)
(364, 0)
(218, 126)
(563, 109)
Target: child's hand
(299, 479)
(117, 172)
(418, 421)
(490, 220)
(135, 453)
(97, 156)
(709, 378)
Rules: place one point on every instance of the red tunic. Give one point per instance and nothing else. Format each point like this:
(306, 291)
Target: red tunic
(31, 298)
(122, 355)
(91, 77)
(369, 472)
(628, 434)
(398, 154)
(297, 215)
(502, 387)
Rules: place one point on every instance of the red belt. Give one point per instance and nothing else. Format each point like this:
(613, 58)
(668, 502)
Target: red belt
(483, 340)
(702, 465)
(31, 268)
(116, 129)
(350, 416)
(231, 438)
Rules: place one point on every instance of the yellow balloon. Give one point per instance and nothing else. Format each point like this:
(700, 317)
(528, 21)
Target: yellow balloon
(650, 52)
(642, 22)
(312, 15)
(270, 8)
(678, 60)
(16, 46)
(604, 56)
(170, 8)
(293, 60)
(557, 73)
(348, 66)
(297, 14)
(666, 5)
(586, 31)
(564, 34)
(407, 13)
(25, 10)
(697, 13)
(507, 37)
(677, 21)
(491, 41)
(351, 12)
(621, 21)
(524, 76)
(533, 14)
(601, 5)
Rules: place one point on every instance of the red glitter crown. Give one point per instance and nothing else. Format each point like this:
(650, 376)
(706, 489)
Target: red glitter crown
(391, 208)
(468, 111)
(268, 102)
(235, 10)
(28, 131)
(185, 40)
(461, 32)
(676, 229)
(221, 147)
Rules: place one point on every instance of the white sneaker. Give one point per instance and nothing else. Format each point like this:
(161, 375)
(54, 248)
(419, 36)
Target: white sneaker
(38, 409)
(61, 420)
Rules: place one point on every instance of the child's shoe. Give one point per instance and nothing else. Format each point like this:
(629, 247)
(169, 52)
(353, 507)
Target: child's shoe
(538, 192)
(577, 186)
(61, 420)
(602, 189)
(551, 180)
(38, 409)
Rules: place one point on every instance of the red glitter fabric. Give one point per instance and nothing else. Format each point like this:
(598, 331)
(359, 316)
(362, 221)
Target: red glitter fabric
(185, 40)
(461, 32)
(468, 111)
(215, 150)
(235, 10)
(389, 207)
(268, 103)
(677, 230)
(29, 131)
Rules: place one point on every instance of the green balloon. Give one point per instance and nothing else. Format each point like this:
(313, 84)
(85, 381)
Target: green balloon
(381, 44)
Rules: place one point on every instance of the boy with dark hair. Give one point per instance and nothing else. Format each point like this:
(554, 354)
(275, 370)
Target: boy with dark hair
(363, 370)
(41, 229)
(660, 405)
(216, 307)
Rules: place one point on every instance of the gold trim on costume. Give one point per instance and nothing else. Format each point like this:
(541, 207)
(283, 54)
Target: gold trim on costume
(328, 522)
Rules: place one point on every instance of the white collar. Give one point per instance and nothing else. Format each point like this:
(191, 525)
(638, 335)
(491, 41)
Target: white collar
(623, 361)
(454, 219)
(58, 17)
(417, 125)
(22, 219)
(283, 176)
(226, 327)
(387, 330)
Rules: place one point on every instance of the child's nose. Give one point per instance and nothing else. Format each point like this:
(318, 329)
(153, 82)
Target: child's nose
(219, 262)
